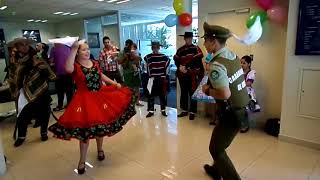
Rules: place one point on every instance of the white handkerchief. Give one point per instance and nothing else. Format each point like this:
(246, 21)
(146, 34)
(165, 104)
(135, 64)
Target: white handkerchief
(150, 84)
(22, 102)
(66, 40)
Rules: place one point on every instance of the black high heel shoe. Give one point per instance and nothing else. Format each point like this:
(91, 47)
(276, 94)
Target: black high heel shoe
(81, 170)
(101, 155)
(244, 130)
(19, 142)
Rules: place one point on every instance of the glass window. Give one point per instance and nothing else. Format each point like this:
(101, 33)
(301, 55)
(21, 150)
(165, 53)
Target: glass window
(143, 34)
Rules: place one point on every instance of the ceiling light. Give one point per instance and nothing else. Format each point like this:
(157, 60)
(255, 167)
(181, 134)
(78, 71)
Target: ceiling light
(100, 0)
(111, 1)
(73, 14)
(56, 13)
(44, 21)
(67, 13)
(30, 20)
(124, 1)
(3, 7)
(37, 20)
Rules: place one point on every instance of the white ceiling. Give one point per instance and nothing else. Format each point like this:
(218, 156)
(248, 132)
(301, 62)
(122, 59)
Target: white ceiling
(44, 9)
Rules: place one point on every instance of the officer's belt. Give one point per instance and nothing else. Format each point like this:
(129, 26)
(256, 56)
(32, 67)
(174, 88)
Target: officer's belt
(227, 105)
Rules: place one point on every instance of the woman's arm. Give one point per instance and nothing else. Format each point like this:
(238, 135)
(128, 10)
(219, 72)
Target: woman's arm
(69, 67)
(107, 80)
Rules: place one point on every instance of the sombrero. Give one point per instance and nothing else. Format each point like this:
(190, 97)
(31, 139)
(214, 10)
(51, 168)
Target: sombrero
(155, 43)
(188, 34)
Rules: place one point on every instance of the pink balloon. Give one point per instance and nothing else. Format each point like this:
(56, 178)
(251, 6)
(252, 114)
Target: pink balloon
(265, 4)
(278, 14)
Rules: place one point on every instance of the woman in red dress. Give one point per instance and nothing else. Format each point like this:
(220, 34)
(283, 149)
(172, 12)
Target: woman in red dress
(96, 110)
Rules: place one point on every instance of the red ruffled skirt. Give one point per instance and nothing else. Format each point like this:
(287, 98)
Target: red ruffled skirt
(95, 113)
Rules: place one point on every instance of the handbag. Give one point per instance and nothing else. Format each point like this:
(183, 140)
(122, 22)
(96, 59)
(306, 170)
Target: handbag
(199, 95)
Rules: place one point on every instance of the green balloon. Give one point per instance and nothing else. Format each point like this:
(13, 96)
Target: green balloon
(263, 17)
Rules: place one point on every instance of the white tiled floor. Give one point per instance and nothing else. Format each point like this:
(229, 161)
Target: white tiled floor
(158, 148)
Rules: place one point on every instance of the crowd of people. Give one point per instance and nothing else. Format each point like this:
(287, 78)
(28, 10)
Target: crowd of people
(102, 93)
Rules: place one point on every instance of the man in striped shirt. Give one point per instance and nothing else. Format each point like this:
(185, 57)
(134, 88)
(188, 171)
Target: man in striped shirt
(157, 65)
(188, 60)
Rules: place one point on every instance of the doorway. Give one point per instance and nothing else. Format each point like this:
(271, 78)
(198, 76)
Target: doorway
(142, 34)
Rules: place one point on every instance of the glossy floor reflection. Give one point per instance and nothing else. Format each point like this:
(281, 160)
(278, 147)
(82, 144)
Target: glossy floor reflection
(158, 149)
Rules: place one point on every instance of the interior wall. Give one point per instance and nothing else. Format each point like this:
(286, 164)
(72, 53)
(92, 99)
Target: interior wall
(112, 31)
(95, 26)
(70, 28)
(14, 29)
(292, 125)
(268, 54)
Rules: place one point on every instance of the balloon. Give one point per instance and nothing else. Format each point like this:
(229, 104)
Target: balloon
(178, 6)
(265, 4)
(185, 19)
(277, 14)
(171, 20)
(253, 35)
(263, 17)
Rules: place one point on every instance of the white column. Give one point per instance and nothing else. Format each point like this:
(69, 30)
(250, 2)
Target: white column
(180, 41)
(2, 161)
(121, 44)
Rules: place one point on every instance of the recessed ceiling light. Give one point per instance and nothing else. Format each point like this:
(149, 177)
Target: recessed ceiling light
(44, 21)
(3, 7)
(67, 13)
(37, 20)
(124, 1)
(73, 14)
(56, 13)
(111, 1)
(30, 20)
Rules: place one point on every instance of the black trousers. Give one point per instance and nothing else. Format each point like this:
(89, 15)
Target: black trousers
(144, 82)
(64, 85)
(158, 90)
(222, 136)
(5, 96)
(186, 94)
(38, 110)
(114, 75)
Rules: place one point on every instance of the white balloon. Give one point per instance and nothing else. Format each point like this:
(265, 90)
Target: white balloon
(253, 35)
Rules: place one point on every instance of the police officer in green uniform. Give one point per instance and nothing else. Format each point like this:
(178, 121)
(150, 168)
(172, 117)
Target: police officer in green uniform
(227, 85)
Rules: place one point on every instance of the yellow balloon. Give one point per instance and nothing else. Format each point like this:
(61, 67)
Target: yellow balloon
(178, 6)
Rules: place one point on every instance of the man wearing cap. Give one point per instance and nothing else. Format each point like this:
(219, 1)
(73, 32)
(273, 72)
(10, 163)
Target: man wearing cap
(188, 60)
(28, 79)
(227, 85)
(157, 65)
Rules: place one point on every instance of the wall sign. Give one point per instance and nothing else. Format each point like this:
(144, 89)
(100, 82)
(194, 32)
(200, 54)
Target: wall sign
(32, 34)
(308, 33)
(93, 40)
